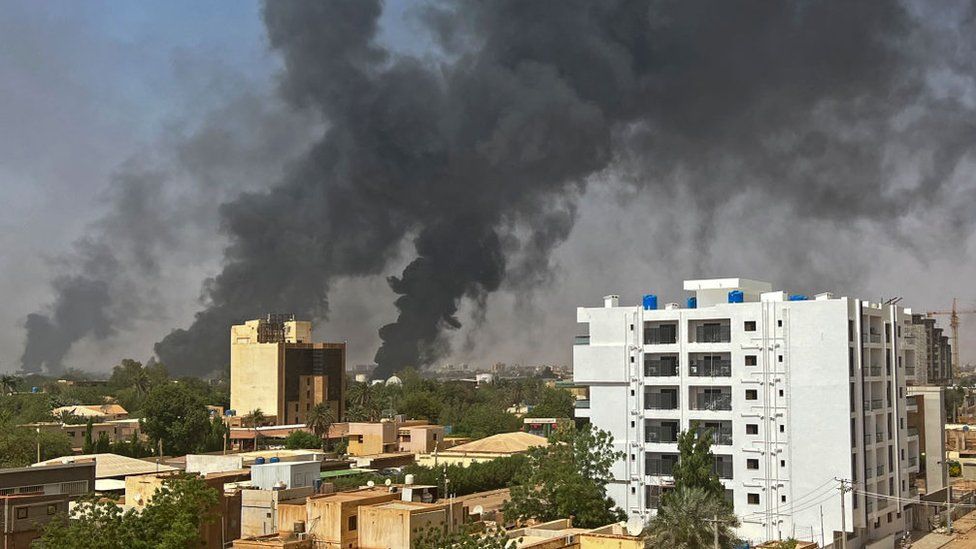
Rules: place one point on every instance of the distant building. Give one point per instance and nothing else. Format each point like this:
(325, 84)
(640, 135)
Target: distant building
(933, 356)
(390, 436)
(115, 430)
(94, 412)
(32, 497)
(275, 367)
(110, 469)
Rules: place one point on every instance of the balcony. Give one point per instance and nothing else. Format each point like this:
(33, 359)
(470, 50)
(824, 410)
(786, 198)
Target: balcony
(667, 400)
(879, 437)
(876, 404)
(880, 470)
(711, 401)
(721, 431)
(660, 334)
(868, 439)
(710, 367)
(666, 366)
(581, 340)
(660, 464)
(869, 506)
(723, 466)
(871, 338)
(909, 370)
(912, 461)
(913, 431)
(582, 404)
(661, 432)
(713, 333)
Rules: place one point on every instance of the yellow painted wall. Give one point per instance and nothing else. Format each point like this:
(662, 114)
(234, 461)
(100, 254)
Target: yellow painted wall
(254, 379)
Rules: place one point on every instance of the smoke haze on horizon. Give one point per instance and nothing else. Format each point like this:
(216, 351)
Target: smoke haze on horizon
(509, 170)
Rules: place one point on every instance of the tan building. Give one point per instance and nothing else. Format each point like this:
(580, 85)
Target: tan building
(485, 449)
(95, 412)
(560, 534)
(396, 524)
(391, 436)
(115, 430)
(275, 367)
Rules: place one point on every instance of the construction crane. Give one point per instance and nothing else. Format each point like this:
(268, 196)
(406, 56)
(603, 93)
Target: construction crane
(954, 325)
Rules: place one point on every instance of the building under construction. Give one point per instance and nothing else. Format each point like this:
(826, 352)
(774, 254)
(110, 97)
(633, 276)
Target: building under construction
(275, 367)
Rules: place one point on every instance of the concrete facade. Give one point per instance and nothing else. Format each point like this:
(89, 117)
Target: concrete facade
(275, 367)
(797, 392)
(396, 524)
(286, 474)
(23, 517)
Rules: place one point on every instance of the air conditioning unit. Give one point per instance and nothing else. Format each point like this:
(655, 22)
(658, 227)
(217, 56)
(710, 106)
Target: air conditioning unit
(302, 536)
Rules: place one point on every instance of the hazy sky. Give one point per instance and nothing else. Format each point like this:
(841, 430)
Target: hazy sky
(94, 92)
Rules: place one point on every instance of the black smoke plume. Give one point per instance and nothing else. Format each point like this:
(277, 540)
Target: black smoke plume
(480, 153)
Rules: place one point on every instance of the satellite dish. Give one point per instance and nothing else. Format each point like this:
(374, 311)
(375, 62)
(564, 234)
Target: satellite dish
(478, 510)
(370, 484)
(388, 482)
(635, 525)
(965, 428)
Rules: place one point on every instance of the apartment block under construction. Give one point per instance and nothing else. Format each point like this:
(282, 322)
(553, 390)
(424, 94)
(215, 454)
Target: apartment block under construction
(275, 367)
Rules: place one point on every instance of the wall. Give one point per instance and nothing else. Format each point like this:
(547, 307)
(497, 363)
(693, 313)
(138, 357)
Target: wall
(204, 464)
(254, 376)
(294, 474)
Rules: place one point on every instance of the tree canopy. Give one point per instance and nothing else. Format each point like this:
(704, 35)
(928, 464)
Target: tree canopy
(171, 520)
(177, 416)
(567, 478)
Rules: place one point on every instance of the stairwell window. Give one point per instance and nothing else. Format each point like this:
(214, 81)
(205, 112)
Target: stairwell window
(750, 326)
(752, 463)
(752, 394)
(753, 499)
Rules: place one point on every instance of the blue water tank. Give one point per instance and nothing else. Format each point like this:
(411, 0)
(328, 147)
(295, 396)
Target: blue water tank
(798, 297)
(35, 389)
(230, 413)
(692, 302)
(735, 296)
(650, 302)
(275, 459)
(259, 461)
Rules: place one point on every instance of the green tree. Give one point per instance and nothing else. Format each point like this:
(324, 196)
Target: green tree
(89, 445)
(465, 537)
(557, 403)
(254, 419)
(482, 420)
(319, 419)
(176, 416)
(18, 445)
(696, 463)
(102, 445)
(683, 522)
(216, 434)
(171, 520)
(567, 478)
(8, 384)
(300, 440)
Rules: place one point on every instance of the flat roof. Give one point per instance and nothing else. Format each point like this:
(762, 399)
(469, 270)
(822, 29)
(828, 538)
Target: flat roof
(111, 465)
(728, 284)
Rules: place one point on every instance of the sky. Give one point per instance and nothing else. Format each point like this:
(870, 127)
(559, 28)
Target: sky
(182, 100)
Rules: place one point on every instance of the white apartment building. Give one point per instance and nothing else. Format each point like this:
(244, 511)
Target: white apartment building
(798, 393)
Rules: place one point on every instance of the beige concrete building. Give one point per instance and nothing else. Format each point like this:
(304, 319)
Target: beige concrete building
(391, 436)
(560, 534)
(397, 524)
(275, 367)
(115, 430)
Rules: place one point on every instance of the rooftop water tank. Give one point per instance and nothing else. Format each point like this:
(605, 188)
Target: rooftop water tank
(275, 459)
(692, 302)
(259, 461)
(798, 297)
(650, 302)
(735, 296)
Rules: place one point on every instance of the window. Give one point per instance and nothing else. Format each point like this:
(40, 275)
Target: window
(750, 360)
(782, 463)
(779, 358)
(21, 512)
(779, 323)
(631, 359)
(752, 463)
(352, 523)
(752, 429)
(752, 394)
(782, 428)
(750, 326)
(51, 509)
(783, 498)
(753, 499)
(780, 392)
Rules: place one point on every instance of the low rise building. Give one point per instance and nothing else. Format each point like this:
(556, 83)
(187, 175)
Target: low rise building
(397, 524)
(560, 534)
(110, 469)
(390, 436)
(259, 509)
(24, 516)
(70, 479)
(115, 430)
(485, 449)
(95, 412)
(278, 475)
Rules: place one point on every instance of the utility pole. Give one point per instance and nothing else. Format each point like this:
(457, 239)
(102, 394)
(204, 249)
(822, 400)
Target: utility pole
(843, 514)
(715, 522)
(38, 445)
(823, 540)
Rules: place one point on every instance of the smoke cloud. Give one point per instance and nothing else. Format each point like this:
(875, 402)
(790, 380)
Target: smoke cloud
(479, 155)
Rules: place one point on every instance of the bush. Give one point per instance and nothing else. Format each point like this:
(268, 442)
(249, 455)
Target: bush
(300, 440)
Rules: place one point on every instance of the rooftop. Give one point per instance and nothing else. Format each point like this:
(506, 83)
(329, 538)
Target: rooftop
(91, 410)
(110, 465)
(503, 443)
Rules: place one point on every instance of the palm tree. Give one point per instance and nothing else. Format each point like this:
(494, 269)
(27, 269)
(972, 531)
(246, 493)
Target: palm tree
(8, 384)
(255, 419)
(319, 419)
(684, 520)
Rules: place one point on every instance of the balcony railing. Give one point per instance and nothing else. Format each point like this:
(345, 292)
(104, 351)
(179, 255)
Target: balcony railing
(880, 470)
(869, 506)
(876, 404)
(660, 335)
(661, 434)
(581, 340)
(909, 370)
(660, 466)
(874, 371)
(660, 401)
(913, 431)
(710, 368)
(912, 461)
(868, 439)
(709, 402)
(879, 437)
(723, 468)
(660, 368)
(871, 338)
(713, 334)
(722, 438)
